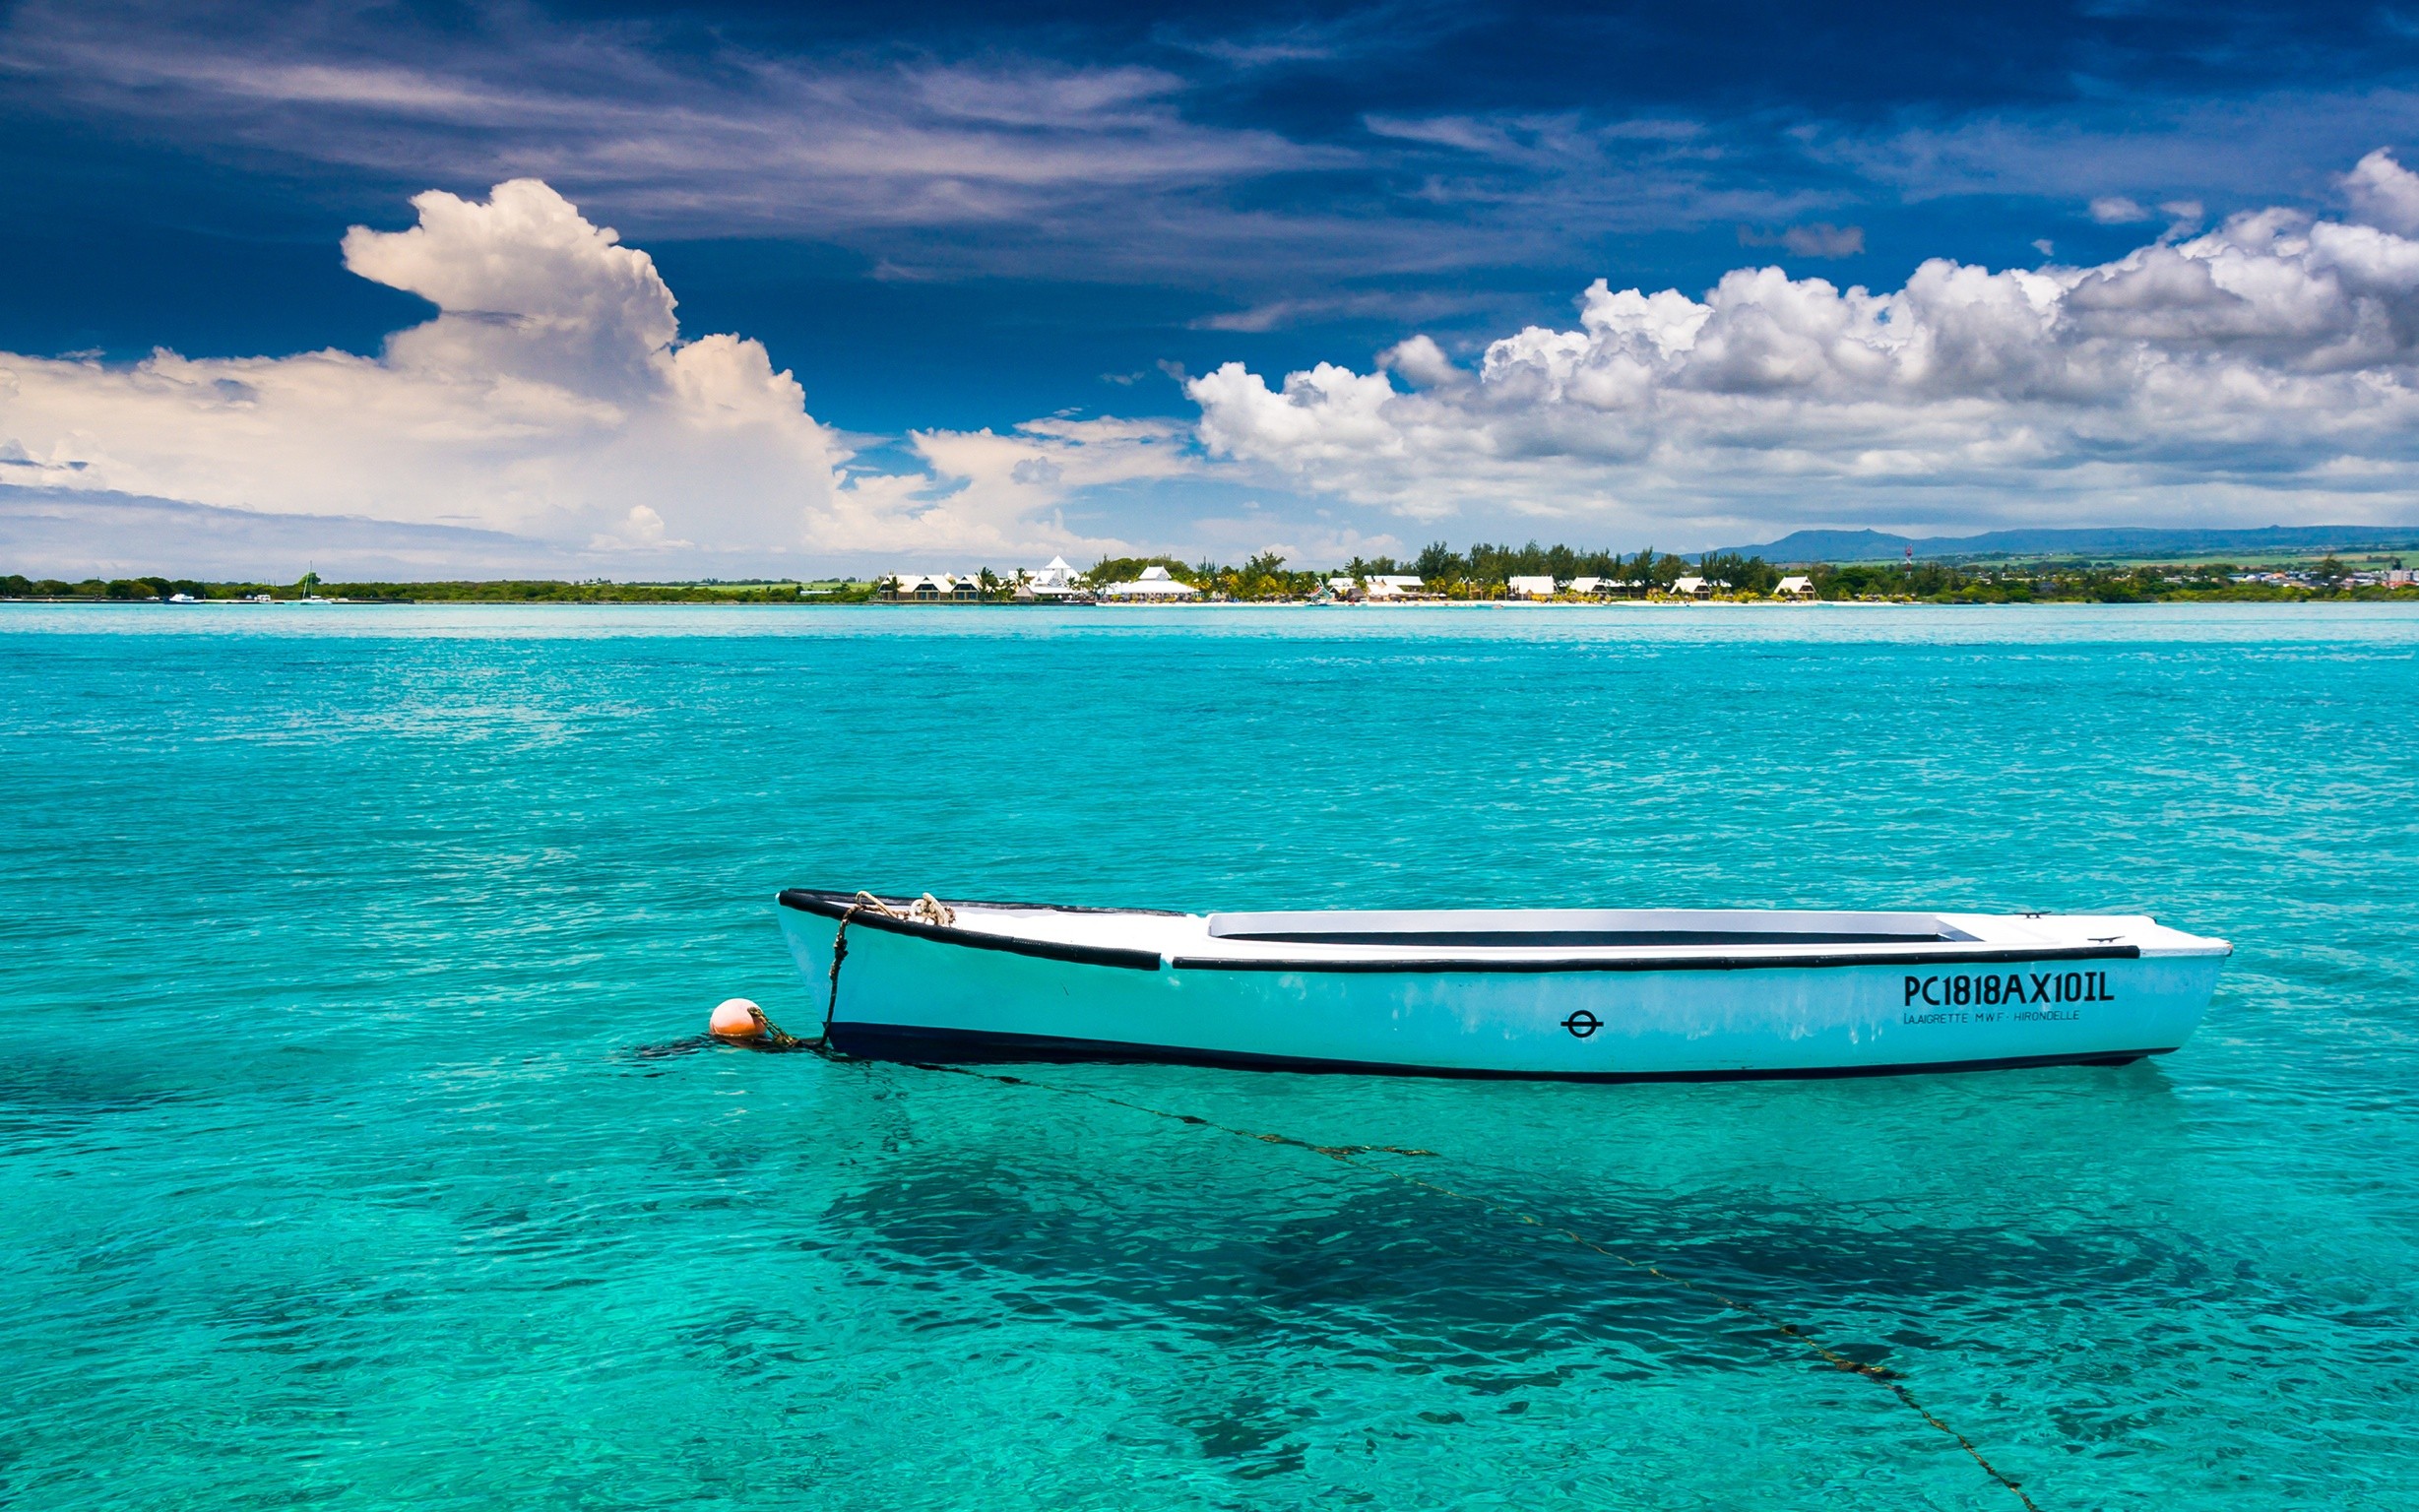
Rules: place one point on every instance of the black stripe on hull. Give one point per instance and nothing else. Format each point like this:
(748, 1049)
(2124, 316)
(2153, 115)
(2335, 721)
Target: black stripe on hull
(832, 906)
(840, 901)
(2014, 955)
(978, 1046)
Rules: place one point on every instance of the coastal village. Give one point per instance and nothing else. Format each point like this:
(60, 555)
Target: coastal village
(1439, 575)
(1058, 583)
(1715, 578)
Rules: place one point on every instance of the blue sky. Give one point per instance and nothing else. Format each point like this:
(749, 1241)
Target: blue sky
(947, 221)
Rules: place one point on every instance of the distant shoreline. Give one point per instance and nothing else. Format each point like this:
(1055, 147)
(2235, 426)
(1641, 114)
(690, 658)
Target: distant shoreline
(1486, 576)
(2404, 596)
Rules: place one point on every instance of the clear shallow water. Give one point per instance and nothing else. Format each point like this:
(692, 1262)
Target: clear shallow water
(334, 1169)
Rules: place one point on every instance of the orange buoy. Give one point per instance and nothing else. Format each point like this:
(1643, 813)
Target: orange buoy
(735, 1018)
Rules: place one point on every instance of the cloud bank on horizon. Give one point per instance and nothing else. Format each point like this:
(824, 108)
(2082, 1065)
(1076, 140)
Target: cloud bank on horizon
(961, 283)
(551, 404)
(2261, 372)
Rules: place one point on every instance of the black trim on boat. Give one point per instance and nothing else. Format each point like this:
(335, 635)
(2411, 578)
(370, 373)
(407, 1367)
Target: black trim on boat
(911, 1043)
(1676, 963)
(836, 904)
(1057, 908)
(844, 899)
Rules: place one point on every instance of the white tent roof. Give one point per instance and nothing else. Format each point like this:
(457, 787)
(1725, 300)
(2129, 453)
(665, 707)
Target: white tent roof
(1154, 583)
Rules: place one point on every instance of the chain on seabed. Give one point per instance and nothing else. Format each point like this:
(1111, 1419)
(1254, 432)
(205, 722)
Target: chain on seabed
(1349, 1155)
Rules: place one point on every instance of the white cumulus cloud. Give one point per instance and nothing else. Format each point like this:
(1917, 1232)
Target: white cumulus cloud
(550, 398)
(2384, 193)
(2265, 370)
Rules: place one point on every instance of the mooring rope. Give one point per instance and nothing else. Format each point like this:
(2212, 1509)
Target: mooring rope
(927, 910)
(1349, 1155)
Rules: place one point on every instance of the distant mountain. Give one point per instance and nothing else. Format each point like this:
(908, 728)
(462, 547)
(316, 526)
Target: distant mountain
(2121, 540)
(1838, 546)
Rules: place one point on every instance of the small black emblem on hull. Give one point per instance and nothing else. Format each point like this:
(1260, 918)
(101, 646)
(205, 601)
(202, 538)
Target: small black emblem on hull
(1582, 1024)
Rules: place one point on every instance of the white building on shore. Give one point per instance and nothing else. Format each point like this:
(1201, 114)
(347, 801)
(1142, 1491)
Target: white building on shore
(930, 588)
(1056, 581)
(1154, 584)
(1530, 587)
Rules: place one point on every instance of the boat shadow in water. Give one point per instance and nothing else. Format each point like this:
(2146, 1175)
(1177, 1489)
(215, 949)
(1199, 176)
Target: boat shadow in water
(1403, 1278)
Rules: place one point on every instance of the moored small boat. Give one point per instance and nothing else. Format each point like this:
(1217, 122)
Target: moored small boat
(1558, 993)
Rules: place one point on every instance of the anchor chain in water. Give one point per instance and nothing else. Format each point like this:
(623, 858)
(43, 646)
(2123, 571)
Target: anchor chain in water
(772, 1037)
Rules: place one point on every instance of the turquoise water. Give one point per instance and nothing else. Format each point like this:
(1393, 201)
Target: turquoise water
(349, 1155)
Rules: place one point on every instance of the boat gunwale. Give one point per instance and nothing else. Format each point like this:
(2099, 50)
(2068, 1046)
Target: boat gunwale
(839, 906)
(1995, 956)
(841, 902)
(836, 906)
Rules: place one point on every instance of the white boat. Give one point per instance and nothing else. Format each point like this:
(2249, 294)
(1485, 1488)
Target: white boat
(1579, 995)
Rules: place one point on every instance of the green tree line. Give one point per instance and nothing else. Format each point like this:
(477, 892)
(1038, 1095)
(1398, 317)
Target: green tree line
(501, 591)
(1480, 572)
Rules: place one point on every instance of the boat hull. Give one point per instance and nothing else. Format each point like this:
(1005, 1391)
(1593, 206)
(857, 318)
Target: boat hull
(908, 993)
